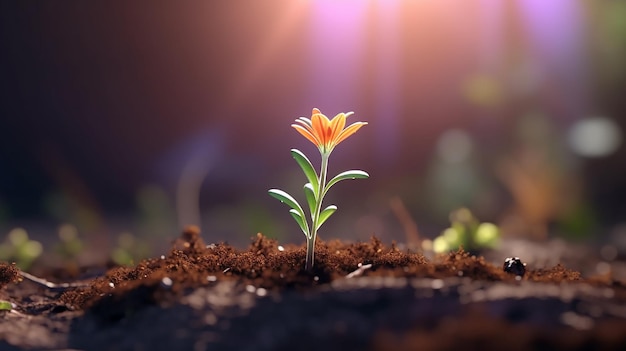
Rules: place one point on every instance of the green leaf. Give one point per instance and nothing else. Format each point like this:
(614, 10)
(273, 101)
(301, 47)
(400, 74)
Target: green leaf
(325, 214)
(301, 222)
(352, 174)
(307, 168)
(440, 245)
(5, 305)
(287, 199)
(487, 235)
(310, 197)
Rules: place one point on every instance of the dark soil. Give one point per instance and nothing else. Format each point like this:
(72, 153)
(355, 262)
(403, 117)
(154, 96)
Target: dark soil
(359, 296)
(8, 274)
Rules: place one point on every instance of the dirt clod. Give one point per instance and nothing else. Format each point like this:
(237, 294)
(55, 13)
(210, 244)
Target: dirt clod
(8, 274)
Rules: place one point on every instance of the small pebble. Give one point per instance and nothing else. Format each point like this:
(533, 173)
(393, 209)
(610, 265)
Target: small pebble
(280, 248)
(250, 288)
(166, 282)
(162, 257)
(211, 278)
(514, 265)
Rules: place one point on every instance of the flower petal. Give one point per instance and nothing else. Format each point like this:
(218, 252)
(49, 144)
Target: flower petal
(304, 120)
(336, 126)
(306, 125)
(307, 134)
(349, 131)
(320, 124)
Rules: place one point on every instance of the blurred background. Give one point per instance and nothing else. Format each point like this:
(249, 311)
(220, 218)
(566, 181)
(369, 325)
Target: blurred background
(119, 125)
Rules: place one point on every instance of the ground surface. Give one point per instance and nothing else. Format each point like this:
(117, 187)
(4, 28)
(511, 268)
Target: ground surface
(215, 297)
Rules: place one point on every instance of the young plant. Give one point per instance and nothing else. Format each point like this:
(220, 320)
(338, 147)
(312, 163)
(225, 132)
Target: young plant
(129, 250)
(467, 232)
(18, 247)
(325, 134)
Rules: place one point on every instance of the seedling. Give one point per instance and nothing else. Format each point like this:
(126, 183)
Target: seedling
(70, 245)
(325, 134)
(129, 249)
(467, 232)
(20, 249)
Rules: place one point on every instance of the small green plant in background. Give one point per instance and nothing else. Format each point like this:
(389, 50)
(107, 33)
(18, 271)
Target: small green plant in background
(129, 250)
(467, 232)
(69, 248)
(325, 134)
(70, 245)
(18, 248)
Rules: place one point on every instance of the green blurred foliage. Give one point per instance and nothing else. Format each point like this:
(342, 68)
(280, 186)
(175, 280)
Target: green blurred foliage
(467, 232)
(70, 244)
(155, 216)
(18, 248)
(130, 249)
(607, 40)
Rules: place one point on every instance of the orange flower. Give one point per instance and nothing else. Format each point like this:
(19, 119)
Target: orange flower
(325, 133)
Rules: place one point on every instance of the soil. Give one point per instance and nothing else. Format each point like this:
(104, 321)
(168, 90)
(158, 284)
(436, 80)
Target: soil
(359, 296)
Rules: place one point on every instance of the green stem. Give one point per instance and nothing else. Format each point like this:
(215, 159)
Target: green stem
(310, 253)
(316, 213)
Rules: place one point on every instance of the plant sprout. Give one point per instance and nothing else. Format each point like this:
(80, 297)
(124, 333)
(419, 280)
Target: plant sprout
(325, 134)
(129, 249)
(20, 248)
(467, 232)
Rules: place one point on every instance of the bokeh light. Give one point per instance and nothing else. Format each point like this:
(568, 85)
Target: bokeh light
(454, 146)
(595, 137)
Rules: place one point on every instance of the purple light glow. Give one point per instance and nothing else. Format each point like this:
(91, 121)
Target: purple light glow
(349, 39)
(387, 86)
(338, 36)
(555, 32)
